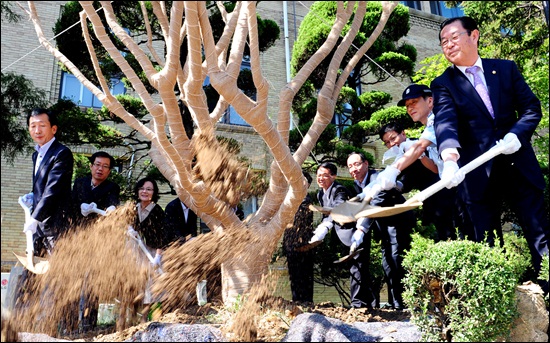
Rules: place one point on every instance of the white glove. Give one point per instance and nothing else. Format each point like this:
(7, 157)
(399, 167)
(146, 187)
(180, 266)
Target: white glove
(156, 260)
(86, 209)
(27, 199)
(358, 197)
(386, 178)
(321, 231)
(356, 240)
(30, 225)
(451, 174)
(371, 190)
(512, 143)
(110, 209)
(132, 233)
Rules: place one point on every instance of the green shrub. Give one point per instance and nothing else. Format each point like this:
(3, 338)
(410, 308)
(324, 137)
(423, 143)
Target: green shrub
(461, 290)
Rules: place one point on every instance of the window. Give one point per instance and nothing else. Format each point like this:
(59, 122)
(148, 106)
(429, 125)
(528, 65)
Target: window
(231, 116)
(439, 8)
(413, 4)
(73, 90)
(342, 120)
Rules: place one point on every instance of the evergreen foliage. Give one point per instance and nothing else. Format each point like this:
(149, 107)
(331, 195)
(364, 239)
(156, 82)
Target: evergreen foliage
(462, 291)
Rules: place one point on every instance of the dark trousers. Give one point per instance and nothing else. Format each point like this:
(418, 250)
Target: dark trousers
(362, 290)
(527, 201)
(300, 273)
(395, 235)
(442, 209)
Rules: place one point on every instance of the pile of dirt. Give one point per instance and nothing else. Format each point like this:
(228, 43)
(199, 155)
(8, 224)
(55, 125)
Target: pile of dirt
(271, 325)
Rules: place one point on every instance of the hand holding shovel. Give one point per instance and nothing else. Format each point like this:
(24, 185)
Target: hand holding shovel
(346, 212)
(135, 236)
(86, 209)
(501, 147)
(33, 264)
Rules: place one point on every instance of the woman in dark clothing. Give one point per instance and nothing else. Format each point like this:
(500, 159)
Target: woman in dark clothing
(149, 227)
(149, 221)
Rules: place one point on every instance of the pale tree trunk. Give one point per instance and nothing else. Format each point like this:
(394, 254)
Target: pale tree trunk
(172, 153)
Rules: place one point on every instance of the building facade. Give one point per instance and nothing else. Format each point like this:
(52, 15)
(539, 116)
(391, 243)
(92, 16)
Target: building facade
(22, 54)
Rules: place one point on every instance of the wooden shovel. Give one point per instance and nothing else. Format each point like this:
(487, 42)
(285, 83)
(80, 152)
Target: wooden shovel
(32, 263)
(323, 210)
(348, 257)
(143, 248)
(417, 199)
(346, 212)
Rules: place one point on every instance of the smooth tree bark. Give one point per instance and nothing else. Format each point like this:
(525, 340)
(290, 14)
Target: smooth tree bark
(172, 151)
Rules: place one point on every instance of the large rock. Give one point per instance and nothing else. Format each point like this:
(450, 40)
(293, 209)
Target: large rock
(312, 327)
(532, 323)
(161, 332)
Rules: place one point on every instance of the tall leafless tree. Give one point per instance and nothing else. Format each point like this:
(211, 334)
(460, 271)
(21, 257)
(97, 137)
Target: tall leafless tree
(173, 152)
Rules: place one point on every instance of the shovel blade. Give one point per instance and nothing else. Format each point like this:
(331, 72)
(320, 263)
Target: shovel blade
(37, 266)
(377, 212)
(348, 257)
(308, 246)
(323, 210)
(346, 212)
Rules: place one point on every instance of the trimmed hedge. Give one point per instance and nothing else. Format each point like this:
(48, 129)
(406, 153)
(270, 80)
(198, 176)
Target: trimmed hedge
(461, 291)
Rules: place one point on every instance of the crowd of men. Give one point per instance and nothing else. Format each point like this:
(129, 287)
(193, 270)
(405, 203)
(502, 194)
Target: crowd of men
(474, 105)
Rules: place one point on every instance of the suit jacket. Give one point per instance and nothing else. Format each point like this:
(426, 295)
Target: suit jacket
(104, 195)
(151, 229)
(176, 225)
(52, 189)
(336, 195)
(462, 121)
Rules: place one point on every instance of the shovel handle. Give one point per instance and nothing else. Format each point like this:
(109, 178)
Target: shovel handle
(28, 234)
(439, 185)
(147, 253)
(100, 212)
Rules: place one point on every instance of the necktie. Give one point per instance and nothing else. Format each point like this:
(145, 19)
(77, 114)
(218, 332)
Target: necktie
(481, 89)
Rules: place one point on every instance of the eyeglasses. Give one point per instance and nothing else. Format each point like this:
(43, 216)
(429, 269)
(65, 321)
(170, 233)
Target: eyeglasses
(454, 38)
(355, 164)
(103, 166)
(146, 189)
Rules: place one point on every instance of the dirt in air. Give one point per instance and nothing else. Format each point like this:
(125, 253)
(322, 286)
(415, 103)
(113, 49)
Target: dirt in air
(101, 261)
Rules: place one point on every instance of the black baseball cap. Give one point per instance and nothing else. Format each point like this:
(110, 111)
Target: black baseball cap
(414, 91)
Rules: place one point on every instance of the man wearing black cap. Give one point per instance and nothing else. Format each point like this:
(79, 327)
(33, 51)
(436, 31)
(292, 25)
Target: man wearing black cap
(417, 161)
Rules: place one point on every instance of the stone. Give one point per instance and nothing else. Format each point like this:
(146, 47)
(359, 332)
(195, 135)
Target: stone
(162, 332)
(313, 327)
(532, 323)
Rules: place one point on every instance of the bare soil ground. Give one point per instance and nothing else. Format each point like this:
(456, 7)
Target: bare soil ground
(272, 324)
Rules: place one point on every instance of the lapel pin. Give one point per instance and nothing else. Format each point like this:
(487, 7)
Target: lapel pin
(494, 72)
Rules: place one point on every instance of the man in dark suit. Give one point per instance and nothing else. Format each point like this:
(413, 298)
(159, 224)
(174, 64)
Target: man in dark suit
(394, 231)
(53, 170)
(51, 193)
(468, 124)
(180, 221)
(331, 193)
(95, 189)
